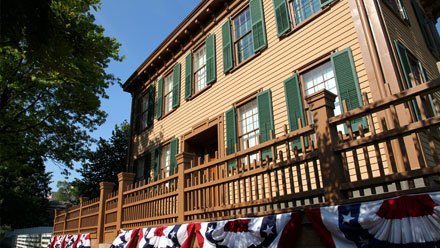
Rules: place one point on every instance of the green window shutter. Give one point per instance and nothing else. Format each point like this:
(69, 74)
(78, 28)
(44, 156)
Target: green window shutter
(347, 83)
(227, 46)
(188, 75)
(281, 16)
(258, 26)
(138, 115)
(422, 24)
(147, 165)
(174, 149)
(157, 156)
(176, 86)
(150, 115)
(265, 119)
(231, 135)
(404, 63)
(159, 102)
(402, 53)
(324, 2)
(210, 60)
(294, 104)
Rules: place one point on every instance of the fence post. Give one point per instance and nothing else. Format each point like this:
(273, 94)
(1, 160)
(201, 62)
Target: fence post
(105, 188)
(183, 162)
(124, 179)
(81, 202)
(322, 104)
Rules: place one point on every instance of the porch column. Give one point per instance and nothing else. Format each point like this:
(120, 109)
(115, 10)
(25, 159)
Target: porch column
(322, 104)
(183, 162)
(105, 188)
(124, 179)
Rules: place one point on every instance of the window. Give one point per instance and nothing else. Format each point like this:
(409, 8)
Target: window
(304, 9)
(397, 7)
(244, 35)
(143, 167)
(243, 43)
(290, 13)
(168, 93)
(254, 122)
(321, 77)
(200, 69)
(165, 161)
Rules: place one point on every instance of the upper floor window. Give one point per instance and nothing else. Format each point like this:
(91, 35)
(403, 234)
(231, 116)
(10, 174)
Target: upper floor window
(398, 8)
(200, 69)
(304, 9)
(291, 13)
(168, 93)
(243, 43)
(243, 35)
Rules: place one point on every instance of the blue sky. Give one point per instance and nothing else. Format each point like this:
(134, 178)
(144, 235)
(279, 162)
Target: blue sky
(140, 26)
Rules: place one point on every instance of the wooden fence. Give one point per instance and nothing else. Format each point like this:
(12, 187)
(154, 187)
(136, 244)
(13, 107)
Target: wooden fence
(394, 151)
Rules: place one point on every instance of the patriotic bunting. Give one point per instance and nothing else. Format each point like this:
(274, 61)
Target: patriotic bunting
(125, 239)
(83, 241)
(406, 221)
(270, 231)
(166, 236)
(70, 241)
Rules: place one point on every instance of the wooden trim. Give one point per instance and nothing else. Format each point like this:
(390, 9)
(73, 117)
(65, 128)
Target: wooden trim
(246, 99)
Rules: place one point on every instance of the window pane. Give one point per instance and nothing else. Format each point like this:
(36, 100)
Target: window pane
(303, 9)
(168, 93)
(165, 160)
(243, 36)
(200, 69)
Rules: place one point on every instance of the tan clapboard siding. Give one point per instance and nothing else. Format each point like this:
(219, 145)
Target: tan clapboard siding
(410, 36)
(333, 30)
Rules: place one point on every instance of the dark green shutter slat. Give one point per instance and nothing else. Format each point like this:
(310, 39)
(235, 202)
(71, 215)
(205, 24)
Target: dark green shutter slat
(294, 104)
(422, 24)
(210, 60)
(258, 26)
(159, 101)
(138, 115)
(176, 86)
(406, 70)
(404, 63)
(174, 147)
(265, 119)
(347, 83)
(281, 16)
(150, 114)
(324, 2)
(231, 135)
(188, 75)
(157, 156)
(147, 165)
(227, 46)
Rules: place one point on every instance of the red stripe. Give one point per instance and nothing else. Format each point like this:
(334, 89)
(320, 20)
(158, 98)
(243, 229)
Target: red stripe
(237, 226)
(407, 206)
(159, 231)
(199, 236)
(141, 236)
(314, 216)
(290, 232)
(190, 230)
(132, 242)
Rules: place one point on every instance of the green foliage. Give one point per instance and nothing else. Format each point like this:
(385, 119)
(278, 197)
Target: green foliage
(67, 193)
(52, 76)
(105, 163)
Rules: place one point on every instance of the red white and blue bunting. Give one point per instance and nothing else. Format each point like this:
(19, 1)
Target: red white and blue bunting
(125, 239)
(166, 236)
(406, 221)
(70, 241)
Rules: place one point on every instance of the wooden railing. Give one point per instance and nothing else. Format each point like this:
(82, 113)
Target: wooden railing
(395, 151)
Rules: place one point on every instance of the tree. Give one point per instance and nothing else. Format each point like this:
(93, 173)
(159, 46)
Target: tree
(67, 193)
(24, 190)
(52, 76)
(105, 163)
